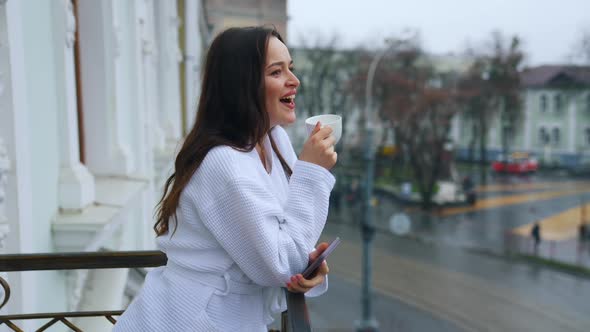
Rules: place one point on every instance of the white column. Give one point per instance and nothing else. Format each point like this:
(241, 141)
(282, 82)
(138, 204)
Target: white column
(4, 161)
(156, 136)
(573, 129)
(15, 131)
(107, 153)
(76, 184)
(192, 58)
(150, 62)
(167, 23)
(142, 134)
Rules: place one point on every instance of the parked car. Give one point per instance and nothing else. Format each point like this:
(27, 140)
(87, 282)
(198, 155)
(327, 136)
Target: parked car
(581, 168)
(516, 163)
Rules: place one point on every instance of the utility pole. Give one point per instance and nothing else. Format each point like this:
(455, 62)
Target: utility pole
(368, 323)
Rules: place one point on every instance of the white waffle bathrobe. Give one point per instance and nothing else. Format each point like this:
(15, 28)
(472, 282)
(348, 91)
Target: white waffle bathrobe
(241, 234)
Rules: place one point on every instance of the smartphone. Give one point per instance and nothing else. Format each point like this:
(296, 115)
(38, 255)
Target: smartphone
(313, 266)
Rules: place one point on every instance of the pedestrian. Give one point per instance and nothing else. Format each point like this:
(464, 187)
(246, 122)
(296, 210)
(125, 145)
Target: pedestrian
(582, 237)
(536, 235)
(469, 190)
(240, 214)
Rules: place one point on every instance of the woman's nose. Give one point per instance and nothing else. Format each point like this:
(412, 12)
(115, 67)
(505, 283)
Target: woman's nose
(293, 81)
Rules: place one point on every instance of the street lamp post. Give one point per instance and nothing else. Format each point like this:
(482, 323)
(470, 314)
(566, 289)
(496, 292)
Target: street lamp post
(368, 321)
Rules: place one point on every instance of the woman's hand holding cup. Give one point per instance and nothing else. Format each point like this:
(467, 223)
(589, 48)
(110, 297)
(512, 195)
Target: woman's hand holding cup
(319, 148)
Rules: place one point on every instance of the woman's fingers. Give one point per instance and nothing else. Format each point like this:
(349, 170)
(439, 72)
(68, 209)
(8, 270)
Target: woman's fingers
(319, 148)
(330, 141)
(298, 284)
(318, 250)
(324, 269)
(317, 128)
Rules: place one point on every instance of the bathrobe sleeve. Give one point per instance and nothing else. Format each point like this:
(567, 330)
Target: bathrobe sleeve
(268, 241)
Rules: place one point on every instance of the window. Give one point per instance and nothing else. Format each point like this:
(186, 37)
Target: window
(587, 135)
(543, 103)
(556, 136)
(543, 136)
(558, 102)
(588, 102)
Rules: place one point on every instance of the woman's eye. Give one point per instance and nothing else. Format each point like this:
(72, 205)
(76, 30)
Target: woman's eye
(276, 73)
(292, 69)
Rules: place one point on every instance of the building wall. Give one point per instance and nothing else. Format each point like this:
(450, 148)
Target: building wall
(50, 200)
(231, 13)
(564, 123)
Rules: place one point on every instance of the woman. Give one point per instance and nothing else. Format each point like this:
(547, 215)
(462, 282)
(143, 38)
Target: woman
(241, 214)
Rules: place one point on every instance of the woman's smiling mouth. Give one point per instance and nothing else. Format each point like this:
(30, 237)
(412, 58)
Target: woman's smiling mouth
(288, 101)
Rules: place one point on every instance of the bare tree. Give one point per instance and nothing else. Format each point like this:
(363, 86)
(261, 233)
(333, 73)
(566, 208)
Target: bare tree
(419, 104)
(325, 73)
(582, 47)
(491, 88)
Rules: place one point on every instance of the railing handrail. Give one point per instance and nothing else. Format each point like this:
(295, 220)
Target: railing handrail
(295, 319)
(82, 260)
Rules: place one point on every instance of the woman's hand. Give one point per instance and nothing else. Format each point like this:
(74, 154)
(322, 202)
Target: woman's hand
(298, 284)
(319, 148)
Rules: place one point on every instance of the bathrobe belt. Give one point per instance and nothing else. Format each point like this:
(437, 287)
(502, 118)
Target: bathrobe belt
(222, 283)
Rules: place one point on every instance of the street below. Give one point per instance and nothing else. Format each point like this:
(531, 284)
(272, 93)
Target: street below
(440, 276)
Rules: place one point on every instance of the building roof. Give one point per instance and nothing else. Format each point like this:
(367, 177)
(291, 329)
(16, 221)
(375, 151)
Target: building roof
(552, 75)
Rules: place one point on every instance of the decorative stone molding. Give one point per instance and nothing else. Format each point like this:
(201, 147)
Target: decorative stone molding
(2, 84)
(96, 227)
(145, 28)
(175, 23)
(70, 23)
(75, 281)
(4, 167)
(147, 47)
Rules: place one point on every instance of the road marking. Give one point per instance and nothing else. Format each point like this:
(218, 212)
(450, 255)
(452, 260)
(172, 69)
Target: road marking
(469, 302)
(558, 227)
(494, 202)
(529, 186)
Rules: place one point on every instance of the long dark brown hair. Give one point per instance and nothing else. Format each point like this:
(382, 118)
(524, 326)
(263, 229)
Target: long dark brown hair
(231, 110)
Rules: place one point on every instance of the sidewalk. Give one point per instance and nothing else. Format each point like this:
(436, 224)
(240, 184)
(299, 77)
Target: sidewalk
(566, 251)
(449, 194)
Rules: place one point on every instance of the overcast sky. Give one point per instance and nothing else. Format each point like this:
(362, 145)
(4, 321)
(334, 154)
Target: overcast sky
(549, 28)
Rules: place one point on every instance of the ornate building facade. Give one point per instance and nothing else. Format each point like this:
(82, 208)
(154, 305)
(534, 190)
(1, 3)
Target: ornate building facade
(94, 99)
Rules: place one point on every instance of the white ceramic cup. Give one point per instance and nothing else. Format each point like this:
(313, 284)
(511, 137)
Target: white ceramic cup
(331, 120)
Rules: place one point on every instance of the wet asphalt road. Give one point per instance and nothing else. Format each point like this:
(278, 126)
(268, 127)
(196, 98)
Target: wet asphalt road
(501, 295)
(428, 287)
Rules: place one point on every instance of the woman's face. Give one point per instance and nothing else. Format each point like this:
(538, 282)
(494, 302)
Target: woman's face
(280, 84)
